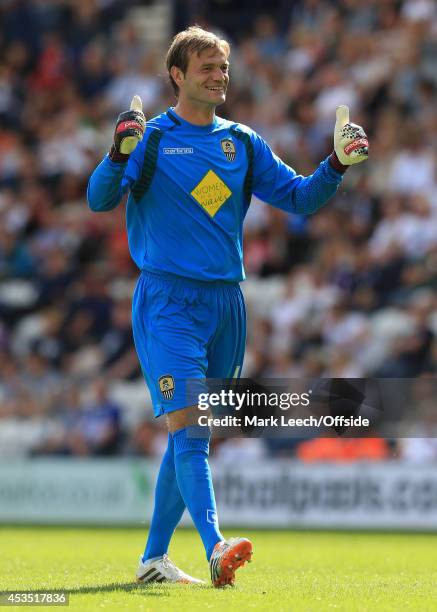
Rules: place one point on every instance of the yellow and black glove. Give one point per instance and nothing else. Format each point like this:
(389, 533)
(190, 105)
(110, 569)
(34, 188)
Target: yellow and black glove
(129, 130)
(351, 145)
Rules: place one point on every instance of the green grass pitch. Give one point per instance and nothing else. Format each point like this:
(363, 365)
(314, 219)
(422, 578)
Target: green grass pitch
(291, 571)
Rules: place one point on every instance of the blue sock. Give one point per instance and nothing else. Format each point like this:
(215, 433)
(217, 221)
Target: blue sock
(195, 484)
(169, 507)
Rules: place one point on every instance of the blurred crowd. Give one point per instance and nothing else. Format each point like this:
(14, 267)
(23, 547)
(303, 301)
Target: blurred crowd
(349, 292)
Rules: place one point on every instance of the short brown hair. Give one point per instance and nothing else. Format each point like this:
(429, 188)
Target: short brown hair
(192, 40)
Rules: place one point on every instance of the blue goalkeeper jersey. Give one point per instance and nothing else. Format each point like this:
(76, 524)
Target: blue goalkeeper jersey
(190, 188)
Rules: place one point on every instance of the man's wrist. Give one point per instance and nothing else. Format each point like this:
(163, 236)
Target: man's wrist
(117, 157)
(336, 163)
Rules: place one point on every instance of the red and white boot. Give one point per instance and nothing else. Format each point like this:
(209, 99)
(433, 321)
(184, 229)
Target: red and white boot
(227, 557)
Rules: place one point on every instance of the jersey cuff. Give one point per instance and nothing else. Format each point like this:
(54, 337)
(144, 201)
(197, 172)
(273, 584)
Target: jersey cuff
(331, 172)
(336, 163)
(116, 165)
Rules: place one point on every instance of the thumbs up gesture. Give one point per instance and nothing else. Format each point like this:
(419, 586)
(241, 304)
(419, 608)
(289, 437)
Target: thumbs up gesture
(350, 140)
(129, 130)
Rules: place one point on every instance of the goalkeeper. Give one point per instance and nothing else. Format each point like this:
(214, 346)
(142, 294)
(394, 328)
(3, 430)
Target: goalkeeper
(190, 177)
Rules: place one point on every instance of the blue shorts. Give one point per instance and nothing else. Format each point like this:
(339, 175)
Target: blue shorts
(183, 330)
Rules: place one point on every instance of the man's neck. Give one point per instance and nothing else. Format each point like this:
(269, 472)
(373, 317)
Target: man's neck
(203, 115)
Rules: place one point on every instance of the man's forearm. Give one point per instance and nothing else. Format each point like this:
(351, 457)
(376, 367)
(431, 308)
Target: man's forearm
(312, 192)
(106, 186)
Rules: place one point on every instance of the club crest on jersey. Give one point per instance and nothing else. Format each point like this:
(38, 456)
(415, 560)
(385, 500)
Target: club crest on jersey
(228, 149)
(166, 386)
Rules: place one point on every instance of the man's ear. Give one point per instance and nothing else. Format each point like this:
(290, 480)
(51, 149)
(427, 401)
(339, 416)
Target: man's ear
(177, 75)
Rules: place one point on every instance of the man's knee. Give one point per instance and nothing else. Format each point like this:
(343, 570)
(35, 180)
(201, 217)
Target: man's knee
(180, 419)
(188, 435)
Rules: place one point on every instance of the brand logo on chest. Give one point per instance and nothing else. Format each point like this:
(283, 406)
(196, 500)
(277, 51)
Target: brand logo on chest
(178, 150)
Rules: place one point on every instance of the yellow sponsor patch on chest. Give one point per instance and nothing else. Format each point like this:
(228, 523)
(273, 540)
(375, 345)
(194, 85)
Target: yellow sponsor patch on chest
(211, 193)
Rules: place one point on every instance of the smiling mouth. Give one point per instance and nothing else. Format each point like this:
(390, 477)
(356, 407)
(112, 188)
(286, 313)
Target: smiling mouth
(221, 88)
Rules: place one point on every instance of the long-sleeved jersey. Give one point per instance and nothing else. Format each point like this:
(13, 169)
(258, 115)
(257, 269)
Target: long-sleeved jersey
(190, 188)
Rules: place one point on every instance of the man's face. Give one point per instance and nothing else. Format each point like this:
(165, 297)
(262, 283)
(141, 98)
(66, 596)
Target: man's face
(206, 78)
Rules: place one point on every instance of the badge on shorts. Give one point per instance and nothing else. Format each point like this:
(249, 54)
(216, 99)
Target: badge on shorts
(166, 386)
(228, 149)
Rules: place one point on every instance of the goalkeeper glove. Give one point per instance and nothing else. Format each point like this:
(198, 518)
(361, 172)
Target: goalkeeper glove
(350, 142)
(129, 130)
